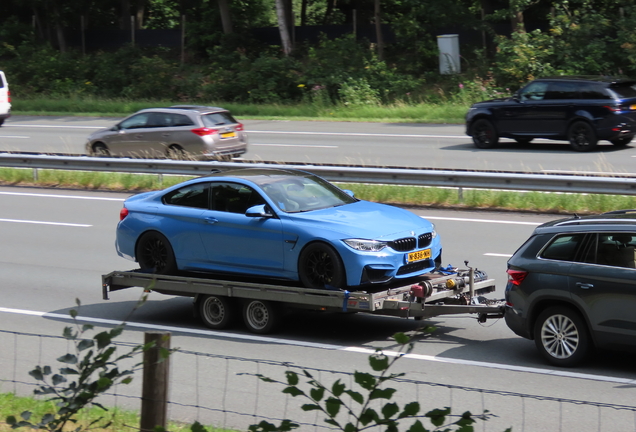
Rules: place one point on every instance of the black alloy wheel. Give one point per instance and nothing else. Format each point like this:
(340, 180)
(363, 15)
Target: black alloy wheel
(320, 266)
(561, 336)
(582, 137)
(154, 254)
(484, 134)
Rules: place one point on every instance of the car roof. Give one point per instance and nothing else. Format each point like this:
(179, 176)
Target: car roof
(590, 78)
(260, 176)
(604, 221)
(189, 108)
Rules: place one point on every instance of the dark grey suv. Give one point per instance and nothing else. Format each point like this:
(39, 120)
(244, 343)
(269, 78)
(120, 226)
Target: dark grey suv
(581, 110)
(572, 286)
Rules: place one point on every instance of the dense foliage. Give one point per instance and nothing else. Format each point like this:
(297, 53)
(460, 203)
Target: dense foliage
(225, 57)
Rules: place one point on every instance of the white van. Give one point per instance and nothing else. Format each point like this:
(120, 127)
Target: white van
(5, 99)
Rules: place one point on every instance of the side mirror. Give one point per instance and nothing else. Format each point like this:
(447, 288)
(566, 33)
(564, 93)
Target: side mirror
(349, 192)
(259, 211)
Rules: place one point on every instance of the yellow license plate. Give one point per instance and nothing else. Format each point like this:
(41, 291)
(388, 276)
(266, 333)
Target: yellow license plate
(419, 255)
(228, 135)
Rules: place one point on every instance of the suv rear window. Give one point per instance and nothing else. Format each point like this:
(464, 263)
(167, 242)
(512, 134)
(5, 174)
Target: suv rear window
(624, 90)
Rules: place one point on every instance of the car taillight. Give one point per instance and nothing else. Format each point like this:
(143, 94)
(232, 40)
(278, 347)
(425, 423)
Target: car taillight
(613, 108)
(123, 213)
(204, 131)
(8, 96)
(239, 127)
(515, 277)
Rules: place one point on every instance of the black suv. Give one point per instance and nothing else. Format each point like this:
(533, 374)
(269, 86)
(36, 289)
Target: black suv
(572, 286)
(582, 110)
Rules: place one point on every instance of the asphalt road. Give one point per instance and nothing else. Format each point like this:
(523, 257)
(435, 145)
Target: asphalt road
(377, 144)
(57, 243)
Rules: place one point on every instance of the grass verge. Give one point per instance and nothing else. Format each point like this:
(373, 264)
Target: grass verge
(540, 202)
(399, 112)
(122, 420)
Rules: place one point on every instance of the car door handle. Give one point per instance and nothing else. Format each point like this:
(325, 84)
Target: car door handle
(584, 285)
(139, 136)
(165, 134)
(211, 220)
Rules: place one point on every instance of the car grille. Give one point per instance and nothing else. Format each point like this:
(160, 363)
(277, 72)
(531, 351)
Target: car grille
(409, 243)
(424, 240)
(414, 267)
(403, 244)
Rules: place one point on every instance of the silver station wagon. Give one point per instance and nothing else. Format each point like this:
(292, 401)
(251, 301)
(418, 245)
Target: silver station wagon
(177, 132)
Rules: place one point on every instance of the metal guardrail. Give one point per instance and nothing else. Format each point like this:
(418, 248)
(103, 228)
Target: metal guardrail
(614, 185)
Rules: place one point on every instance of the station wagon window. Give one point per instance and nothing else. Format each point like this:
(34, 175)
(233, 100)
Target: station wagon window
(563, 247)
(624, 90)
(234, 197)
(195, 195)
(612, 249)
(135, 122)
(180, 120)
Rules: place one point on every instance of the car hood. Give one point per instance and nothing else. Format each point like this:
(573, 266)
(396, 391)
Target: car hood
(366, 220)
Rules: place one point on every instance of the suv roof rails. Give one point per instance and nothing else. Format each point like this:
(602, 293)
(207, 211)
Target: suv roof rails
(626, 211)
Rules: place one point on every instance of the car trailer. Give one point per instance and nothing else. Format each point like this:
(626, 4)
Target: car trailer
(219, 302)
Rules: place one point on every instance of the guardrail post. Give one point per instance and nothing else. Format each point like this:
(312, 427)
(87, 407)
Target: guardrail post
(154, 397)
(160, 178)
(35, 174)
(460, 195)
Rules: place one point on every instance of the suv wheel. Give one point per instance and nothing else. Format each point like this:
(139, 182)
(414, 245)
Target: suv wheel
(484, 134)
(582, 137)
(561, 336)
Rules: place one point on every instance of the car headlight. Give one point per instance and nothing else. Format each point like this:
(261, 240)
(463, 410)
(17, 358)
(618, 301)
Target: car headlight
(365, 245)
(433, 231)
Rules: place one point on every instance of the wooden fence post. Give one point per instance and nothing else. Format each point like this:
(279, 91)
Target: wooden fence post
(154, 397)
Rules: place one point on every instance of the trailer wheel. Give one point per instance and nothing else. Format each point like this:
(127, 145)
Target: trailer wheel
(261, 316)
(216, 312)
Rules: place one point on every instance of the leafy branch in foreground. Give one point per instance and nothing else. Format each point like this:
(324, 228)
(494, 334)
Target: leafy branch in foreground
(87, 372)
(337, 401)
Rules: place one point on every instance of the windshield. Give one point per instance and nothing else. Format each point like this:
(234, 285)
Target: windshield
(300, 194)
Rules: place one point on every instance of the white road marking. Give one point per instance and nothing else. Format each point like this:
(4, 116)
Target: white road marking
(15, 136)
(357, 134)
(482, 220)
(54, 126)
(292, 145)
(360, 350)
(498, 255)
(46, 223)
(62, 196)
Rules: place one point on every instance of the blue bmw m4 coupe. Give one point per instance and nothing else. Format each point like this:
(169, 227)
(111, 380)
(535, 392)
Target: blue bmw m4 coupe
(276, 223)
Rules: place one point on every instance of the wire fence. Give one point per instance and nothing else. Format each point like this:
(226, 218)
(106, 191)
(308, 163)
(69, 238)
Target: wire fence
(224, 391)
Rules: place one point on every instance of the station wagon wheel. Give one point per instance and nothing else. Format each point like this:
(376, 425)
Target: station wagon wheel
(216, 312)
(100, 150)
(561, 336)
(154, 254)
(582, 137)
(484, 134)
(320, 266)
(261, 316)
(622, 141)
(176, 152)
